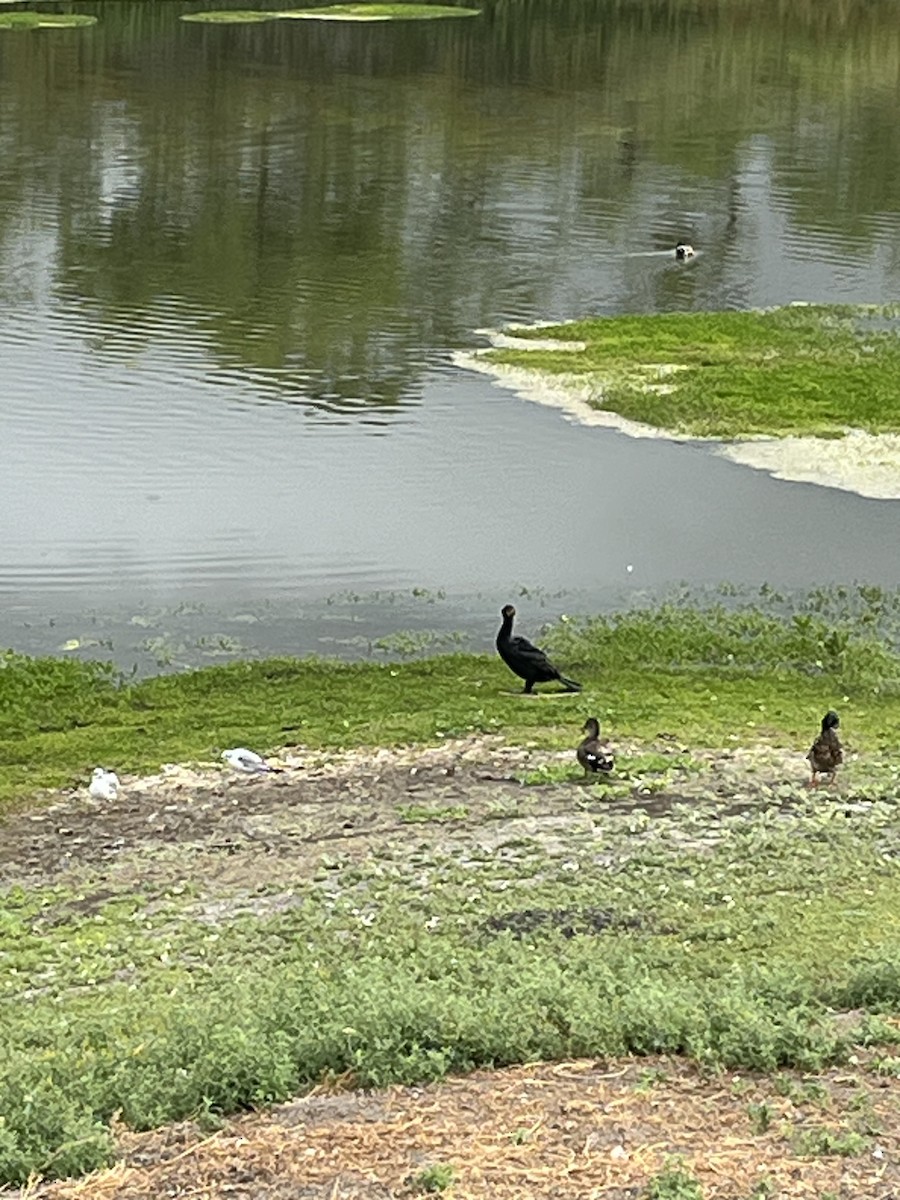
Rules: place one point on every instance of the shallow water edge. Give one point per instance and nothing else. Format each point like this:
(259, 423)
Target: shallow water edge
(860, 462)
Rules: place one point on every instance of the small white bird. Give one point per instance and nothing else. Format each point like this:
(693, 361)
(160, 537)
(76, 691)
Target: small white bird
(248, 761)
(104, 784)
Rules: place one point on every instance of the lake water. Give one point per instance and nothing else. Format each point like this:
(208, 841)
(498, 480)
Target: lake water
(235, 263)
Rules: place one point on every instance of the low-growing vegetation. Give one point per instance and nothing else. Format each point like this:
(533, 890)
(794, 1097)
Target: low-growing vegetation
(703, 670)
(674, 1183)
(436, 1178)
(200, 950)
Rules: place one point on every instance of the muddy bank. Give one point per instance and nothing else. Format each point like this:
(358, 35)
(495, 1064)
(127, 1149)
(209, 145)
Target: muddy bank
(226, 833)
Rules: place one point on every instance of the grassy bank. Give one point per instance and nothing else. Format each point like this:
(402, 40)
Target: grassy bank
(806, 369)
(710, 674)
(737, 963)
(166, 980)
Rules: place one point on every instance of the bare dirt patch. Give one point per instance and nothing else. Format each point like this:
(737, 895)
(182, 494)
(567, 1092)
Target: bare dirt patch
(571, 1130)
(202, 823)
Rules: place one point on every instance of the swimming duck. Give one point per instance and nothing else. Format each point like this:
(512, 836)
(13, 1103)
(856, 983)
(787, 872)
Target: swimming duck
(684, 250)
(248, 762)
(526, 660)
(104, 784)
(593, 754)
(826, 754)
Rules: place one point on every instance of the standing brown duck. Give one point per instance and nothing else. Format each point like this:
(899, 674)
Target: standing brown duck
(526, 660)
(593, 754)
(826, 753)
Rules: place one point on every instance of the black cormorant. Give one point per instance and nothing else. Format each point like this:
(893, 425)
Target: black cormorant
(525, 660)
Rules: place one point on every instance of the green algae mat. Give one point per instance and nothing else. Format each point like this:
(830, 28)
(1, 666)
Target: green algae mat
(803, 369)
(335, 12)
(34, 20)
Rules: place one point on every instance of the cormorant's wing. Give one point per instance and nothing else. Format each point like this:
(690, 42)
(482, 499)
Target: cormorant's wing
(522, 646)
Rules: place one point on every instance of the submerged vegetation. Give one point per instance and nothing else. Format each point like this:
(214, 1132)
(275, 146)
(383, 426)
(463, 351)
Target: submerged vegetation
(533, 922)
(802, 369)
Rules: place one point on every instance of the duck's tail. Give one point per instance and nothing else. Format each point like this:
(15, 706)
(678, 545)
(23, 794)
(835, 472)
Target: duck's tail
(569, 684)
(600, 762)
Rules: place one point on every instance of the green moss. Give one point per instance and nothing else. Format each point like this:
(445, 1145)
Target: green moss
(34, 20)
(337, 12)
(803, 369)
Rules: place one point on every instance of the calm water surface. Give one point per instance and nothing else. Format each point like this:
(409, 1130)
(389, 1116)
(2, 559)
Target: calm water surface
(235, 262)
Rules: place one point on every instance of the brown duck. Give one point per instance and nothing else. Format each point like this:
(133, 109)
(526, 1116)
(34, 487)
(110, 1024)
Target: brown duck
(826, 753)
(594, 755)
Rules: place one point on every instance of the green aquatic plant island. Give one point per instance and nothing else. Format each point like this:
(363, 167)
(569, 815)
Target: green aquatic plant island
(802, 369)
(45, 20)
(763, 667)
(333, 12)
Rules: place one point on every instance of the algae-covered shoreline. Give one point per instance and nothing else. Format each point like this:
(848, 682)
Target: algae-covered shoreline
(805, 393)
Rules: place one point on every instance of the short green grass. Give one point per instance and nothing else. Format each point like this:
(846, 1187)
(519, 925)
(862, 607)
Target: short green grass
(703, 673)
(417, 814)
(802, 369)
(133, 1005)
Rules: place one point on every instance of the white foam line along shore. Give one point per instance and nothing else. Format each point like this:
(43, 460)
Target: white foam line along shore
(865, 463)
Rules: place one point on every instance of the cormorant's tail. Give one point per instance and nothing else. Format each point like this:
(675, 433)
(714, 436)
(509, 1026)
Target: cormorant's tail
(569, 684)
